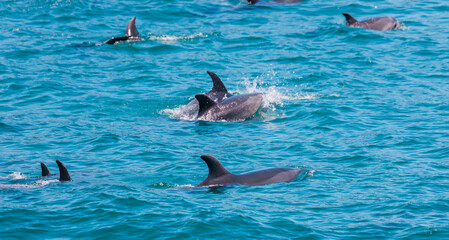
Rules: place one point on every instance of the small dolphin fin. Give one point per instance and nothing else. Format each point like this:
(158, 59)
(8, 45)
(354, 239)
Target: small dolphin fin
(215, 167)
(45, 171)
(63, 173)
(218, 84)
(131, 30)
(205, 103)
(349, 19)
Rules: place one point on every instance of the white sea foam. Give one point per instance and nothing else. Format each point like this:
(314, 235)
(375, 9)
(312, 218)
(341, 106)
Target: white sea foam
(310, 173)
(44, 182)
(14, 176)
(174, 38)
(177, 112)
(185, 186)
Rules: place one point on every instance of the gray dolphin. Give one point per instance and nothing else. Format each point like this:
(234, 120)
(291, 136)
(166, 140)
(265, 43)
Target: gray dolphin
(219, 176)
(131, 34)
(378, 23)
(219, 105)
(279, 1)
(63, 176)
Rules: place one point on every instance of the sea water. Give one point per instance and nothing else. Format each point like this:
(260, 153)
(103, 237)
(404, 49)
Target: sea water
(366, 112)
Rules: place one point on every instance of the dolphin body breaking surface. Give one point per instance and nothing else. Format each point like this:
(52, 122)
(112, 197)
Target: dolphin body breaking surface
(220, 105)
(131, 34)
(63, 176)
(219, 176)
(378, 23)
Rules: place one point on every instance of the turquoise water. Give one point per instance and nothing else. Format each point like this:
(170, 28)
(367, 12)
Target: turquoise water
(365, 111)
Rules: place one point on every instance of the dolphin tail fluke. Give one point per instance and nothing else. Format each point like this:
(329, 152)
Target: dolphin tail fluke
(218, 84)
(45, 171)
(63, 173)
(205, 103)
(131, 30)
(349, 19)
(215, 167)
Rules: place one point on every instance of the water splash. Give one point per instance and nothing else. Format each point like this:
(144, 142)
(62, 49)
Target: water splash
(179, 112)
(14, 176)
(174, 38)
(274, 96)
(164, 185)
(44, 182)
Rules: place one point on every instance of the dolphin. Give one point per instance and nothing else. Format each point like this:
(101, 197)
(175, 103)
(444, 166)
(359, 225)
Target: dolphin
(63, 176)
(219, 176)
(279, 1)
(131, 34)
(219, 105)
(378, 23)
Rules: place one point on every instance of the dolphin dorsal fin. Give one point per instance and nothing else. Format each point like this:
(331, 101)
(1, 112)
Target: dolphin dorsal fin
(63, 173)
(218, 84)
(131, 30)
(45, 171)
(205, 103)
(349, 19)
(215, 167)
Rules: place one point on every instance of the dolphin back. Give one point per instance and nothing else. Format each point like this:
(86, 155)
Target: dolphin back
(350, 20)
(45, 171)
(63, 172)
(268, 176)
(131, 30)
(378, 23)
(218, 175)
(205, 103)
(381, 23)
(218, 84)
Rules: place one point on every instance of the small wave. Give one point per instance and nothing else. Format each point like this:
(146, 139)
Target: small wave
(14, 176)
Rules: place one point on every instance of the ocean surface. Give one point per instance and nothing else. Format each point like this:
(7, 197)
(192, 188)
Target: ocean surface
(365, 112)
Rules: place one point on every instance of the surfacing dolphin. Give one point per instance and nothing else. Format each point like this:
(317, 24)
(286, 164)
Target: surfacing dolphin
(219, 176)
(131, 34)
(63, 176)
(279, 1)
(219, 105)
(378, 23)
